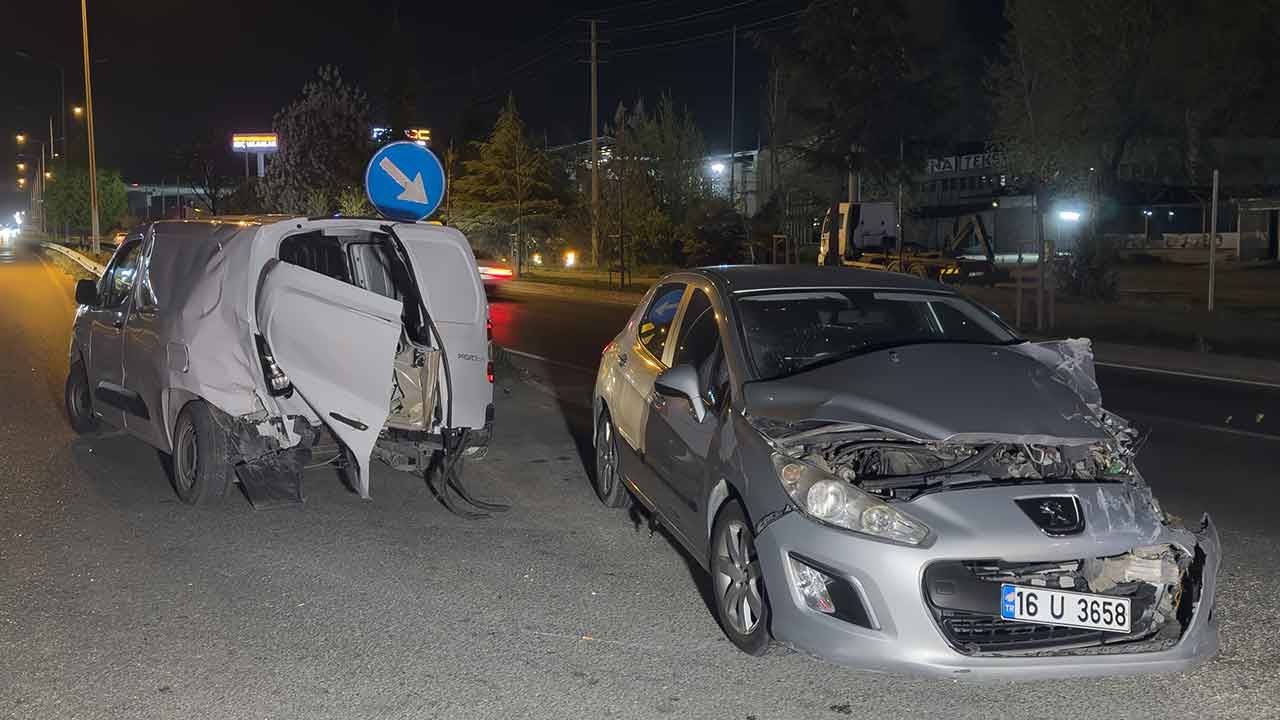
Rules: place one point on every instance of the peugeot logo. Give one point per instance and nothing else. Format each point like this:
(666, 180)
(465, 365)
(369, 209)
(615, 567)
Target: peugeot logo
(1056, 515)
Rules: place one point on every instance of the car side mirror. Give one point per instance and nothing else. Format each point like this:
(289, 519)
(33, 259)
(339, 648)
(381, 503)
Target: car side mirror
(87, 292)
(682, 381)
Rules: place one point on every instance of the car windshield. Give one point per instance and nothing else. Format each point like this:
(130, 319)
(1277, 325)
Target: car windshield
(788, 331)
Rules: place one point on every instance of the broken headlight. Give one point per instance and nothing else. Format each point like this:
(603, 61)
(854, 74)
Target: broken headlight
(832, 500)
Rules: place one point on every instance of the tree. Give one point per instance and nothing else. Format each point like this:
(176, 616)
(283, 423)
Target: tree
(507, 182)
(713, 234)
(671, 152)
(67, 199)
(324, 146)
(862, 86)
(1077, 85)
(211, 169)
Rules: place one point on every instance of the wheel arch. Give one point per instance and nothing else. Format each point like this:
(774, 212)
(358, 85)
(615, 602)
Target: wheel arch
(174, 400)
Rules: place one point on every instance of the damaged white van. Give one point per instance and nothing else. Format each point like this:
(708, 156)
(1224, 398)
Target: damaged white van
(231, 344)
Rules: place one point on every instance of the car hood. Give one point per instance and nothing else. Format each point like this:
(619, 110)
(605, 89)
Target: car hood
(939, 393)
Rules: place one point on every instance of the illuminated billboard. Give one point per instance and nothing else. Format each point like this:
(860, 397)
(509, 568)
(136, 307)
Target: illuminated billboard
(253, 142)
(421, 136)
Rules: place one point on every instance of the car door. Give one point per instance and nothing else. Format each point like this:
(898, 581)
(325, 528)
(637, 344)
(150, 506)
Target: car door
(105, 366)
(337, 343)
(145, 356)
(677, 444)
(641, 362)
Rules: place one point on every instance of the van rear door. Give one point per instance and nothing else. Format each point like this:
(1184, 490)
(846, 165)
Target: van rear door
(337, 343)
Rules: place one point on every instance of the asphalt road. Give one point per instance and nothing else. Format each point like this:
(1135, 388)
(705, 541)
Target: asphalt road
(116, 601)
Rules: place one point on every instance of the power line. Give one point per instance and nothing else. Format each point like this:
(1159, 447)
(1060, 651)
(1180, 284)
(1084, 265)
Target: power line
(632, 6)
(685, 18)
(707, 36)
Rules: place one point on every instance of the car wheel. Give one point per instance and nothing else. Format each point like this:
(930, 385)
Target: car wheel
(200, 467)
(919, 270)
(79, 400)
(742, 607)
(608, 481)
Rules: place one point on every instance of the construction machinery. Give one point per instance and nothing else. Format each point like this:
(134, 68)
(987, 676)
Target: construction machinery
(868, 238)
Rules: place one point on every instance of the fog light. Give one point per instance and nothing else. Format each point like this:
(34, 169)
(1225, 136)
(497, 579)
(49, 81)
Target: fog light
(812, 585)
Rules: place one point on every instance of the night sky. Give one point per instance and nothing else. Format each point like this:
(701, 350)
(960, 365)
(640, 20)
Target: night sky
(168, 73)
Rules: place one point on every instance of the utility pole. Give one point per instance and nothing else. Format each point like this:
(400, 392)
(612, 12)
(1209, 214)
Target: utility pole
(1213, 236)
(733, 98)
(595, 140)
(88, 108)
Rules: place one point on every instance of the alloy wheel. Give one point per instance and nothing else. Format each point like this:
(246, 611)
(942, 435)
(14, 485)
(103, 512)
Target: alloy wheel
(737, 578)
(606, 459)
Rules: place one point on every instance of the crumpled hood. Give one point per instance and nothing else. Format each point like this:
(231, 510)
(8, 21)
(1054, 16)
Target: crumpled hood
(937, 392)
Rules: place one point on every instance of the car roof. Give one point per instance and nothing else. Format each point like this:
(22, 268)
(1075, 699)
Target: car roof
(743, 278)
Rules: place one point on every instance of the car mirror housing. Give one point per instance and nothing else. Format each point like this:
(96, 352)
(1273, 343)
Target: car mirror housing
(682, 381)
(87, 292)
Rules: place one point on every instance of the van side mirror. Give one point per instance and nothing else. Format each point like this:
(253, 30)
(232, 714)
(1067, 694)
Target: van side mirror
(682, 381)
(87, 292)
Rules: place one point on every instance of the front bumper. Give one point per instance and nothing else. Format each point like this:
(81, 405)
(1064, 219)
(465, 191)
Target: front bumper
(903, 635)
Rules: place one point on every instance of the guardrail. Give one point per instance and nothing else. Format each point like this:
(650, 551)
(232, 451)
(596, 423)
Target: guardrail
(77, 258)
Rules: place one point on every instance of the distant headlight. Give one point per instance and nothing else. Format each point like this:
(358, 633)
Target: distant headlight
(832, 500)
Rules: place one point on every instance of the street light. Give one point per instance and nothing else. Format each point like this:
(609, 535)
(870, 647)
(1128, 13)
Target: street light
(717, 168)
(48, 175)
(22, 167)
(77, 111)
(21, 138)
(1069, 215)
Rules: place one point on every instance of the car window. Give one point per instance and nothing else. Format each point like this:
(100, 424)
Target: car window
(318, 252)
(373, 268)
(698, 342)
(657, 319)
(117, 281)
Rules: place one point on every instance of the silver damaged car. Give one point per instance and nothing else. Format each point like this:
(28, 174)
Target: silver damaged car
(877, 470)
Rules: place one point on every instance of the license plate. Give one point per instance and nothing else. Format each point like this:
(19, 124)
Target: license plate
(1061, 607)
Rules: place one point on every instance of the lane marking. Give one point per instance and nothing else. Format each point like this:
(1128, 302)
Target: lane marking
(1204, 426)
(1182, 373)
(549, 361)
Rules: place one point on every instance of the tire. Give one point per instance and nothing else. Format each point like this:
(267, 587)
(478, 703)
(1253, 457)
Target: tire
(742, 605)
(200, 466)
(919, 270)
(608, 482)
(78, 400)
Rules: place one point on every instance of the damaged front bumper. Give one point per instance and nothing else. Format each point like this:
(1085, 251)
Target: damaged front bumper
(887, 623)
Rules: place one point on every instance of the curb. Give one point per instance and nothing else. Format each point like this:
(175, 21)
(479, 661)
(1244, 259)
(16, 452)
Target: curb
(77, 258)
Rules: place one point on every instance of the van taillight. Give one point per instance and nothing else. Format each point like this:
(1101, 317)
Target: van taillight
(489, 371)
(277, 382)
(488, 328)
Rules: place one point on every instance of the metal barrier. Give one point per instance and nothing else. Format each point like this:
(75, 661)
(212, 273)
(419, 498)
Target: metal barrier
(77, 258)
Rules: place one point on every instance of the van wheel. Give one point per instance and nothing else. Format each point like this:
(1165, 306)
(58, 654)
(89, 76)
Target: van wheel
(78, 400)
(200, 467)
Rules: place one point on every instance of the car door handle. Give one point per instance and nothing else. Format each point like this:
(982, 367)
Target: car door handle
(622, 359)
(658, 402)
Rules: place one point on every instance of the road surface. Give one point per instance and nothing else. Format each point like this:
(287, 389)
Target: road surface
(116, 601)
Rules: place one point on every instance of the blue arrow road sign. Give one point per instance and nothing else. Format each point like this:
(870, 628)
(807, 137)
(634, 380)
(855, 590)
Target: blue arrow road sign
(404, 181)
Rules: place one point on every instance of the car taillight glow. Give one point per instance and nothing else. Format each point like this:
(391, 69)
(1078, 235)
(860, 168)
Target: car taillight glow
(496, 272)
(489, 371)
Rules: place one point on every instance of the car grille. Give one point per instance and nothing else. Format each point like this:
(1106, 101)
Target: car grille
(977, 632)
(964, 597)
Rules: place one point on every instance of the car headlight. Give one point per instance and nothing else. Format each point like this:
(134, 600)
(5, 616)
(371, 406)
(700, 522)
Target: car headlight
(832, 500)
